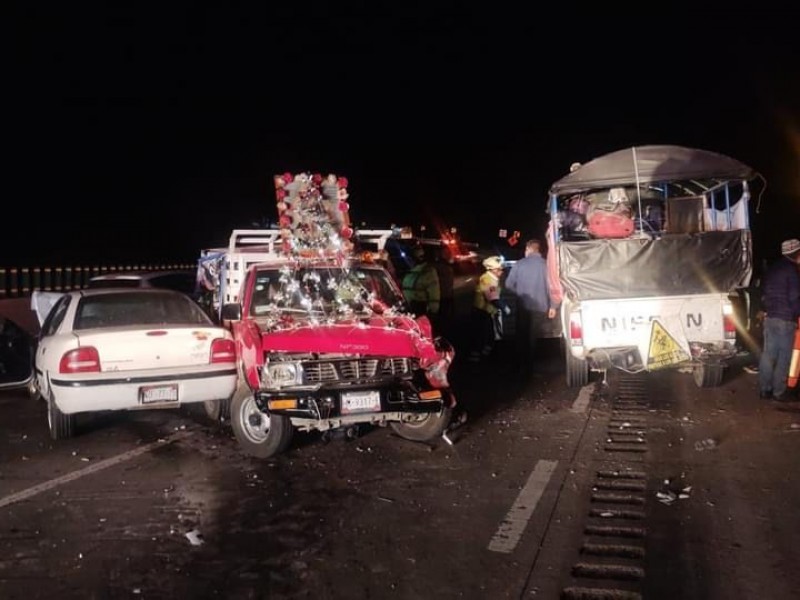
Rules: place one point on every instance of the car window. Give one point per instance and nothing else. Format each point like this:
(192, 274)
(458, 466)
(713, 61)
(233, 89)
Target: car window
(56, 316)
(124, 309)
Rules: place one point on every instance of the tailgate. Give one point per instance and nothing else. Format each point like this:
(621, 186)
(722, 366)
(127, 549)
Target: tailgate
(618, 323)
(123, 349)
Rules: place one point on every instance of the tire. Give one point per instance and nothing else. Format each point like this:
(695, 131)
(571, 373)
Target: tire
(424, 428)
(61, 426)
(218, 410)
(708, 375)
(33, 390)
(259, 434)
(577, 369)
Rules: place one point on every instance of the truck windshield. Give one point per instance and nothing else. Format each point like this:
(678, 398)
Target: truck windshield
(321, 291)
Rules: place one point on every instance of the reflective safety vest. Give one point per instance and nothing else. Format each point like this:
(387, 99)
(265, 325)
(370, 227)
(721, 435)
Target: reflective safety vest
(421, 289)
(487, 290)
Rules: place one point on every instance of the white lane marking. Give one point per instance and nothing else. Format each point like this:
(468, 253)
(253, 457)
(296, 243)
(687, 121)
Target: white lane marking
(511, 529)
(103, 464)
(582, 401)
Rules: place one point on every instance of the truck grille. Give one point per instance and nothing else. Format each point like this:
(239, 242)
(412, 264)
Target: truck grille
(355, 370)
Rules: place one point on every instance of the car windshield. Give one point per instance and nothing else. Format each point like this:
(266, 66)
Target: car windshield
(322, 291)
(138, 308)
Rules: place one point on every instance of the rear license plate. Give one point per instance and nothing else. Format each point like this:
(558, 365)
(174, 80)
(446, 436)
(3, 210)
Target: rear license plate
(155, 394)
(355, 402)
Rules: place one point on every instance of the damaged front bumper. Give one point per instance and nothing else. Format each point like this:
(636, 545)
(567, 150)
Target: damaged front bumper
(331, 407)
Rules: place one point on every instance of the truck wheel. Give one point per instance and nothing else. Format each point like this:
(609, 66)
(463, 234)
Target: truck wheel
(707, 375)
(423, 427)
(61, 426)
(577, 369)
(260, 434)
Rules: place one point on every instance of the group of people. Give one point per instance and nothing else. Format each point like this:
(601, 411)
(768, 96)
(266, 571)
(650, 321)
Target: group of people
(527, 280)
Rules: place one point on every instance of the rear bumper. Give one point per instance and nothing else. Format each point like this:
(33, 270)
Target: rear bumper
(112, 392)
(628, 358)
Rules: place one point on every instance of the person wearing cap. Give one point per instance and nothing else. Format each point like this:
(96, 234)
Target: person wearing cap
(421, 286)
(487, 309)
(780, 299)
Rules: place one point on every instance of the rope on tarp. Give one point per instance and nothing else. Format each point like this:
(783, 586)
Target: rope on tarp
(638, 187)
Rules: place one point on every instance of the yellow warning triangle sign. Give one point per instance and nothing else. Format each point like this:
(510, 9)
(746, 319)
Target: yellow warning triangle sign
(664, 348)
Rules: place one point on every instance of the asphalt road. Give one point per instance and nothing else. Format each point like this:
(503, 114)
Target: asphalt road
(633, 487)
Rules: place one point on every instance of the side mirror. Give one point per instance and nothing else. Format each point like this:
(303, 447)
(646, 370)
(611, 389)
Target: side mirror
(232, 312)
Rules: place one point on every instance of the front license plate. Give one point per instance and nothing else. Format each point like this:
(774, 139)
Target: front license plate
(155, 394)
(355, 402)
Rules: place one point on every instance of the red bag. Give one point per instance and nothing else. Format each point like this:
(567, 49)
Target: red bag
(604, 224)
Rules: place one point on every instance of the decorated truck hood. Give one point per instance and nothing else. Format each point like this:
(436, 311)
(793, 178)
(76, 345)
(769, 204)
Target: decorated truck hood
(401, 336)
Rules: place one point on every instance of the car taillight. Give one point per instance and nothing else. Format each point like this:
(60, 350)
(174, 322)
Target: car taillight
(223, 351)
(575, 329)
(80, 360)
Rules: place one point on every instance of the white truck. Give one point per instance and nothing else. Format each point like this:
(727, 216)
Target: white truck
(649, 248)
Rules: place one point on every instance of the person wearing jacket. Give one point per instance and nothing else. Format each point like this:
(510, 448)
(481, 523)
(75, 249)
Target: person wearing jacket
(487, 309)
(528, 281)
(421, 287)
(780, 299)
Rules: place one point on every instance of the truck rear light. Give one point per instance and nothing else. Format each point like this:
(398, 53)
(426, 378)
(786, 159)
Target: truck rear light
(81, 360)
(575, 329)
(223, 351)
(728, 321)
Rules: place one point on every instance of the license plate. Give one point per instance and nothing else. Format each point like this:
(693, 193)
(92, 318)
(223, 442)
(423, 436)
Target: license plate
(355, 402)
(155, 394)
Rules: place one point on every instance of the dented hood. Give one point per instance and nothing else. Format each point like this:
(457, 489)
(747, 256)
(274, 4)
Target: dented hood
(402, 337)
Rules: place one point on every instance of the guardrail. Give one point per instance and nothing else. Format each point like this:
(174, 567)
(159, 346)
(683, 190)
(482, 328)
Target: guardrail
(20, 282)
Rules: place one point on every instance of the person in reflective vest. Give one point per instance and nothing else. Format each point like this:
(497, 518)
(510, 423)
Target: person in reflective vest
(421, 286)
(488, 309)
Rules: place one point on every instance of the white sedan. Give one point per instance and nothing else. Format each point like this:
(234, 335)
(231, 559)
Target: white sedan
(123, 349)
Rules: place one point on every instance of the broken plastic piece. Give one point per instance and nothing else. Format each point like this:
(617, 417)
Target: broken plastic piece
(194, 537)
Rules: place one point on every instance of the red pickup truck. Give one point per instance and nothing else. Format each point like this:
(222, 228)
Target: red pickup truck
(325, 345)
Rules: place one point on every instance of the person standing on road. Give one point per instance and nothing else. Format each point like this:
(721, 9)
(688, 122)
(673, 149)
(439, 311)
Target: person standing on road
(487, 309)
(780, 301)
(528, 281)
(421, 287)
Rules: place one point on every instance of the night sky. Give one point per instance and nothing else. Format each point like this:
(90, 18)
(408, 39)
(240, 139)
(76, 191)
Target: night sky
(150, 135)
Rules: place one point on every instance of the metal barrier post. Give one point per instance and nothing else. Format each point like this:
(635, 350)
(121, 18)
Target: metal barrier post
(12, 288)
(25, 280)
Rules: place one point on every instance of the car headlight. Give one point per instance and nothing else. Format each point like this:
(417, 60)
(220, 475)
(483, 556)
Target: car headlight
(280, 374)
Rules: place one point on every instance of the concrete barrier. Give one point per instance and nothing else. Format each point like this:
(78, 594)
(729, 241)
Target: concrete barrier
(17, 282)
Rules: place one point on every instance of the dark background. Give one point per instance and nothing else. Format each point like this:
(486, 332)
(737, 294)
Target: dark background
(147, 134)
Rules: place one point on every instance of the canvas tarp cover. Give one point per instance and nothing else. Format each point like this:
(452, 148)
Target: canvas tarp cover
(708, 262)
(652, 164)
